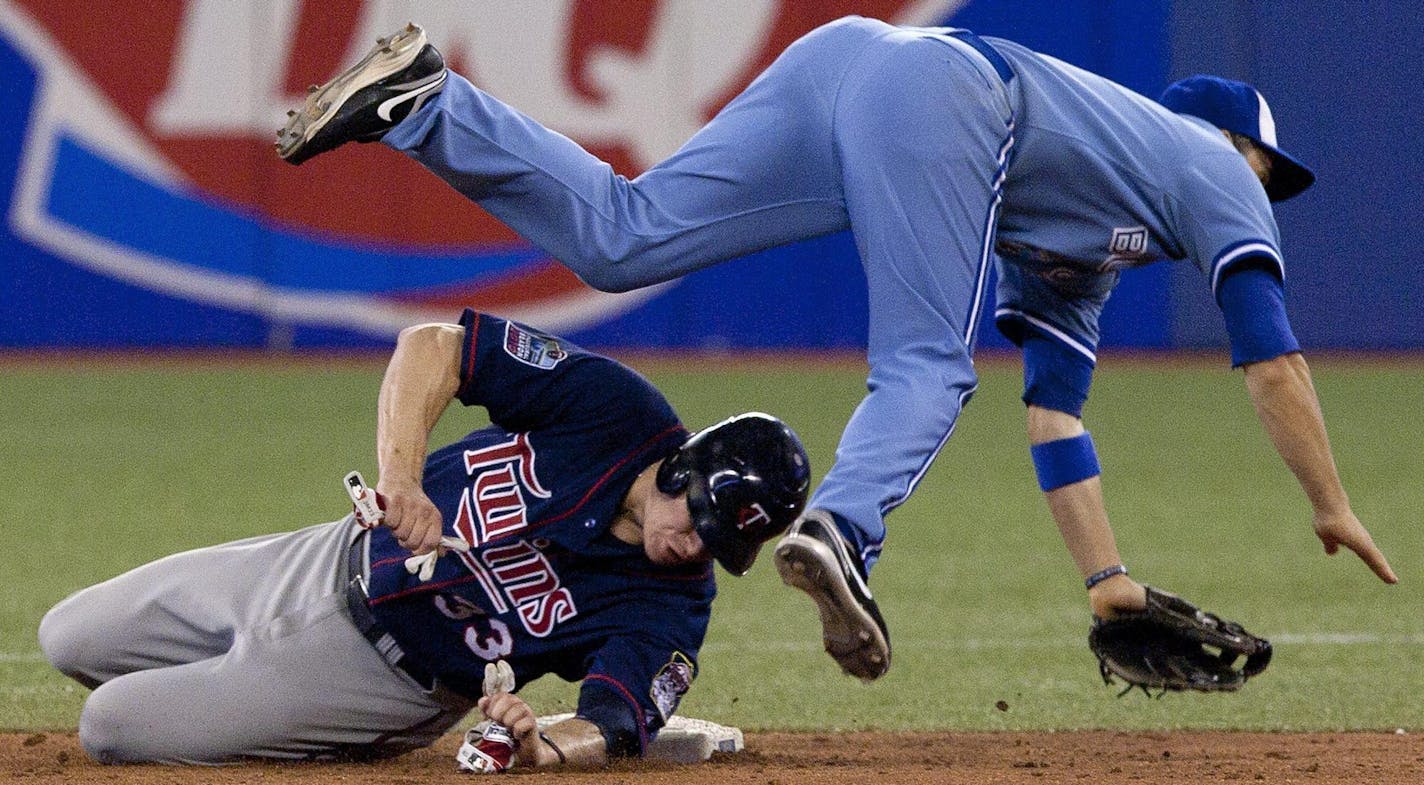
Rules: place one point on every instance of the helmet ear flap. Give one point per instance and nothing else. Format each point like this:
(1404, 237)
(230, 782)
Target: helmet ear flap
(673, 475)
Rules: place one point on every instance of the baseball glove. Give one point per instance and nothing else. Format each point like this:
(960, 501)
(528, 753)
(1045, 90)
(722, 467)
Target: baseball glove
(1173, 645)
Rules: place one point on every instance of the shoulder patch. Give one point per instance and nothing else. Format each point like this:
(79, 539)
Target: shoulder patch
(671, 683)
(531, 348)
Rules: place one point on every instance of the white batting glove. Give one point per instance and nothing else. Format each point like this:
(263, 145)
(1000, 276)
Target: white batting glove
(423, 566)
(499, 677)
(365, 502)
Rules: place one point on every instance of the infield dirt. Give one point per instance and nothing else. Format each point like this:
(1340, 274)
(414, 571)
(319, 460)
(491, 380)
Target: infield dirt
(795, 758)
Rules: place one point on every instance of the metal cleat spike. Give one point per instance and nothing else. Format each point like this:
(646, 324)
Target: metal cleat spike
(410, 27)
(381, 42)
(291, 113)
(385, 50)
(312, 89)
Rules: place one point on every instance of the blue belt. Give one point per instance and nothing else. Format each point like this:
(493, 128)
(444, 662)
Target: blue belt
(990, 53)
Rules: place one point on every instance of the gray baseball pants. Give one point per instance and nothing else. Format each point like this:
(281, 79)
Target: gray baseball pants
(240, 650)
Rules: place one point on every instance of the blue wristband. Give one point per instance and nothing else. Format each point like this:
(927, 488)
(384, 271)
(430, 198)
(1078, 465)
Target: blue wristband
(1065, 461)
(1102, 575)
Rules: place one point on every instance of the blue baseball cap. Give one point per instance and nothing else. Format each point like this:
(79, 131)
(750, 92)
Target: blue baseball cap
(1240, 108)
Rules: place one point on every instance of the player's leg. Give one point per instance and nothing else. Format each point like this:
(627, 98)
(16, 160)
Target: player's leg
(185, 607)
(305, 685)
(924, 138)
(760, 174)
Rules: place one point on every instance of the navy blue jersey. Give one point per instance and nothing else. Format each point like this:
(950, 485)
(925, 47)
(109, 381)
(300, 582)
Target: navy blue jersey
(546, 586)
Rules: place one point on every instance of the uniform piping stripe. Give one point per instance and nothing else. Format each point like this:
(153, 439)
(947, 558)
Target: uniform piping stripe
(1067, 339)
(477, 573)
(628, 696)
(384, 562)
(474, 341)
(1235, 253)
(424, 588)
(925, 467)
(971, 325)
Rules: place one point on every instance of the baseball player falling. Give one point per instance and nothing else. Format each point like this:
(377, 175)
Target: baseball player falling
(574, 536)
(942, 151)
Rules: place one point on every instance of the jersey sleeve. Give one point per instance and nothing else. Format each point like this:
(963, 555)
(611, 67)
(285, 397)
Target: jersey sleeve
(527, 379)
(1252, 300)
(1057, 332)
(1223, 218)
(636, 680)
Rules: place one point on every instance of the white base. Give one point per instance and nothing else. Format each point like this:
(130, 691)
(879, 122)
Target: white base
(682, 740)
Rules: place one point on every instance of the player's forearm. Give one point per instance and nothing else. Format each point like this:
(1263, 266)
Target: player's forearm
(421, 379)
(1286, 404)
(580, 742)
(1082, 519)
(1077, 508)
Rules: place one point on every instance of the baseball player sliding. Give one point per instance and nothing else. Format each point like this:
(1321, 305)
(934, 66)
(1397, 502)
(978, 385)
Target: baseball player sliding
(573, 536)
(943, 152)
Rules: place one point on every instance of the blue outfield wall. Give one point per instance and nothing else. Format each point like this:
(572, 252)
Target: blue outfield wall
(171, 265)
(1346, 86)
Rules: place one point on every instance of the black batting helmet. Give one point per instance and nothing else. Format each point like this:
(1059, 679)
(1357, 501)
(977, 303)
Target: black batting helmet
(746, 480)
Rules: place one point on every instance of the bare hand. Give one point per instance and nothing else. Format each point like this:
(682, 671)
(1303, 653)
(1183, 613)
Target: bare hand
(511, 712)
(1116, 595)
(1336, 529)
(412, 517)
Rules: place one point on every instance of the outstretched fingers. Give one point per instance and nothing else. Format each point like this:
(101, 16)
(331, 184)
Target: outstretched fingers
(1373, 557)
(1350, 533)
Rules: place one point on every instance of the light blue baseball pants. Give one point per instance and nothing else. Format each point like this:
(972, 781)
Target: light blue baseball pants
(901, 135)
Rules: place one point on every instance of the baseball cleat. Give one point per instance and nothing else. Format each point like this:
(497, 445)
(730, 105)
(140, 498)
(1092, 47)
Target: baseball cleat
(815, 558)
(368, 99)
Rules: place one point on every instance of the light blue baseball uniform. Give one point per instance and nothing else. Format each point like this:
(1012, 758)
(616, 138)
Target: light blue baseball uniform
(1104, 179)
(925, 142)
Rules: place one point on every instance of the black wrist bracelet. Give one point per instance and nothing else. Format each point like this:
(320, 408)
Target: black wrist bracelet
(1102, 575)
(544, 737)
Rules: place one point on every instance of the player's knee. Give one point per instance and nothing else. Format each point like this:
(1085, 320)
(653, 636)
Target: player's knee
(608, 275)
(109, 728)
(619, 263)
(67, 644)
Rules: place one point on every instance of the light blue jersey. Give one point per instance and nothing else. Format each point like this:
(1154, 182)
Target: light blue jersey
(1104, 179)
(924, 142)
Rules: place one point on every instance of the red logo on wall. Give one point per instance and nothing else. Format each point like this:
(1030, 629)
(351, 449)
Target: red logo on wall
(207, 82)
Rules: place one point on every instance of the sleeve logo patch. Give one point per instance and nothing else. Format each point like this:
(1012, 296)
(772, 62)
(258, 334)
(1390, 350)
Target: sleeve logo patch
(531, 348)
(671, 683)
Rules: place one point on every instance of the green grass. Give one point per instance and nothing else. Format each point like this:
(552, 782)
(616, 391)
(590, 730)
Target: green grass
(108, 468)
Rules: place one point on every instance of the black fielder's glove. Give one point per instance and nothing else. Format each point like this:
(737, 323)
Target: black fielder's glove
(1174, 645)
